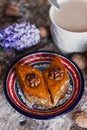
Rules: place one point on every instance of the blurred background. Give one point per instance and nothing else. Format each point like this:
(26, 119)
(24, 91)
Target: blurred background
(16, 11)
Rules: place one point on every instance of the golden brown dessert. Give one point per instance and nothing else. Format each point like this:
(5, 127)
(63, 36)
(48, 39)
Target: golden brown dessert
(33, 85)
(57, 80)
(44, 88)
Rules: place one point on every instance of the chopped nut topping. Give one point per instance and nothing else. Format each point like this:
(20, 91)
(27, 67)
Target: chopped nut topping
(32, 79)
(56, 73)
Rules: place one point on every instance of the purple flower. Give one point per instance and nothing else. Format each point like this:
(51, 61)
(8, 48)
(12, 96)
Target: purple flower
(35, 106)
(19, 36)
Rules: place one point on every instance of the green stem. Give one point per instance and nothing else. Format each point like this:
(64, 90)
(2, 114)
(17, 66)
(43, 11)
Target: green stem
(1, 48)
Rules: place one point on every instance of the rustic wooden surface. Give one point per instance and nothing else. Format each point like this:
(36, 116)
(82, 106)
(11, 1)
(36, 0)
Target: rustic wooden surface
(10, 119)
(35, 12)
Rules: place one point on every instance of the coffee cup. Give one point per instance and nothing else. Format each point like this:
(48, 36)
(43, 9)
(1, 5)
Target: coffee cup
(69, 26)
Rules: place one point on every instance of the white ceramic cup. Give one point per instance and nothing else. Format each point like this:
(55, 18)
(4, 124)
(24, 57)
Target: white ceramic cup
(67, 42)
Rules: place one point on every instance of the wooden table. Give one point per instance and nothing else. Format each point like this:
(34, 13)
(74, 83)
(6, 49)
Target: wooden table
(35, 12)
(10, 119)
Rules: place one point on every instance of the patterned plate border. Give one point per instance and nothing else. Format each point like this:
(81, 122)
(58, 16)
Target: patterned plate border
(40, 57)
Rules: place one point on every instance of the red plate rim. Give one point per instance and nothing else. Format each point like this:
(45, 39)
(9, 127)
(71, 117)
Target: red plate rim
(42, 57)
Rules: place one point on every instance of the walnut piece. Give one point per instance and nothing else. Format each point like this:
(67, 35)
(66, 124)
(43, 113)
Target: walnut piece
(80, 118)
(56, 73)
(32, 79)
(12, 10)
(80, 60)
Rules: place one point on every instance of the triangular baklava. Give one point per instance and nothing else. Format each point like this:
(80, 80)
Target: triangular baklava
(57, 80)
(33, 85)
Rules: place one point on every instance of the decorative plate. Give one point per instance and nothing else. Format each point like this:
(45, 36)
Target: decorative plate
(41, 60)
